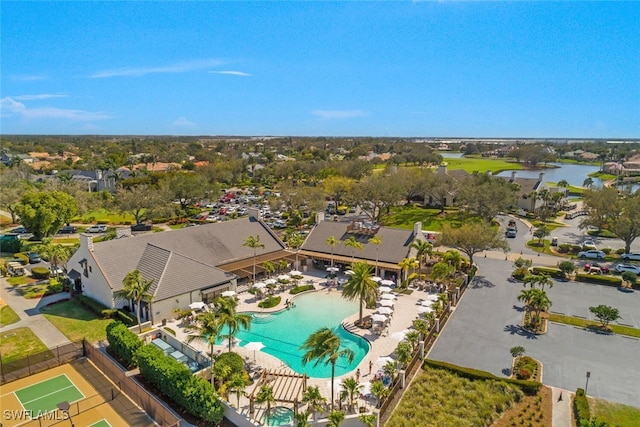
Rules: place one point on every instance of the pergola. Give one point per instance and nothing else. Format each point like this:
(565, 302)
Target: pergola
(244, 268)
(288, 387)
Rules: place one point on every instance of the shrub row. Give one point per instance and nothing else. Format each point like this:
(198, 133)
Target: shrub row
(599, 279)
(123, 343)
(302, 288)
(581, 406)
(528, 387)
(175, 380)
(105, 312)
(553, 272)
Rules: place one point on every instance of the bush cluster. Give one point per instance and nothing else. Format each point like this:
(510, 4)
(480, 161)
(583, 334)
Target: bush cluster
(22, 257)
(302, 288)
(581, 406)
(270, 301)
(525, 368)
(553, 272)
(123, 343)
(105, 312)
(40, 273)
(232, 360)
(528, 387)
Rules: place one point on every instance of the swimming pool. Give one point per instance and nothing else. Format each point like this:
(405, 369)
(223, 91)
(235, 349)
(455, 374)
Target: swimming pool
(284, 332)
(280, 416)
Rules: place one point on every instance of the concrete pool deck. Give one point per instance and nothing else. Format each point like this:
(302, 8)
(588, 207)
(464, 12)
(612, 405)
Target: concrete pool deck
(405, 311)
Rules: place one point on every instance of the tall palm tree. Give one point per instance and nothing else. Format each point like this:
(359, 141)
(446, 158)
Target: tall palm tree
(295, 240)
(302, 419)
(350, 390)
(376, 240)
(332, 241)
(539, 302)
(406, 265)
(233, 320)
(136, 288)
(253, 242)
(206, 329)
(453, 258)
(360, 285)
(324, 346)
(335, 418)
(237, 384)
(314, 399)
(442, 271)
(423, 248)
(537, 279)
(352, 243)
(265, 395)
(268, 267)
(380, 391)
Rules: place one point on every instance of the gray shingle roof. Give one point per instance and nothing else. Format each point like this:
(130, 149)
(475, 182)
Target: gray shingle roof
(208, 244)
(393, 249)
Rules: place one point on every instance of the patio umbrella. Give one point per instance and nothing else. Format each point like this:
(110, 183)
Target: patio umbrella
(384, 310)
(387, 282)
(284, 277)
(384, 360)
(365, 388)
(400, 335)
(378, 318)
(431, 297)
(228, 293)
(199, 305)
(349, 272)
(387, 303)
(376, 279)
(388, 296)
(384, 289)
(424, 310)
(255, 346)
(271, 281)
(426, 303)
(295, 273)
(333, 269)
(260, 285)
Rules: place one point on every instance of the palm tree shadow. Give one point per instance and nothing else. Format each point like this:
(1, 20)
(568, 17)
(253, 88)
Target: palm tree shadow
(519, 330)
(481, 282)
(506, 372)
(518, 308)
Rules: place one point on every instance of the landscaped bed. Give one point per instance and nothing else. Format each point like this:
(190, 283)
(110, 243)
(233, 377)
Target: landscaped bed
(76, 322)
(7, 315)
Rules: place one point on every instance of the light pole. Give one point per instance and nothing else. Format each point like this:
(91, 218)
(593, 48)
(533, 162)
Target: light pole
(587, 383)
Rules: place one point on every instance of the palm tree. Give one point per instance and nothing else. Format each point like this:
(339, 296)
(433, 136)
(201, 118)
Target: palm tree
(352, 243)
(412, 338)
(380, 391)
(587, 182)
(422, 327)
(207, 329)
(404, 351)
(539, 302)
(268, 267)
(332, 241)
(295, 240)
(442, 271)
(453, 258)
(376, 240)
(537, 279)
(314, 399)
(237, 384)
(265, 395)
(135, 287)
(350, 390)
(360, 286)
(335, 418)
(233, 320)
(369, 420)
(282, 265)
(324, 345)
(406, 265)
(253, 242)
(422, 248)
(302, 419)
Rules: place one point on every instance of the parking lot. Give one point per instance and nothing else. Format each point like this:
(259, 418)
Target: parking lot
(486, 324)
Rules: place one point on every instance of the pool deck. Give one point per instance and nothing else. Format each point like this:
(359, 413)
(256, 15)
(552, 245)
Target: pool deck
(405, 311)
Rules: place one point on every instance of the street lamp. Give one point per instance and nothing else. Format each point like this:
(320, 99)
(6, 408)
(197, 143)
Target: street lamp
(64, 407)
(587, 383)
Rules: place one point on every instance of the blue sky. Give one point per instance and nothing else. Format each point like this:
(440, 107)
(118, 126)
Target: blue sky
(486, 69)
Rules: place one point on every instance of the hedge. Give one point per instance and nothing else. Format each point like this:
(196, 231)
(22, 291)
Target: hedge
(123, 343)
(104, 311)
(553, 272)
(528, 387)
(581, 406)
(302, 288)
(599, 279)
(40, 272)
(270, 301)
(179, 385)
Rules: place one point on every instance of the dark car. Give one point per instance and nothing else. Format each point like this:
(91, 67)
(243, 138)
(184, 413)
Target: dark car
(69, 229)
(20, 230)
(34, 257)
(141, 227)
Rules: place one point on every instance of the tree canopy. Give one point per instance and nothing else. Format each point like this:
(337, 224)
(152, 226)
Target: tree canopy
(473, 237)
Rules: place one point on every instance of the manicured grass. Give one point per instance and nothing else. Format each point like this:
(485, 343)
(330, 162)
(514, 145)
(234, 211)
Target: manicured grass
(20, 280)
(66, 241)
(576, 191)
(614, 413)
(602, 233)
(76, 322)
(603, 176)
(432, 220)
(17, 343)
(439, 398)
(550, 225)
(40, 290)
(545, 249)
(7, 315)
(104, 216)
(482, 164)
(590, 324)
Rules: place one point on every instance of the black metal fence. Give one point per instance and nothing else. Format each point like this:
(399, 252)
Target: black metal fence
(32, 364)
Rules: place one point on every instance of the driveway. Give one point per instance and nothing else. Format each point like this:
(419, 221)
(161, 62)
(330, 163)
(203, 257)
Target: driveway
(486, 324)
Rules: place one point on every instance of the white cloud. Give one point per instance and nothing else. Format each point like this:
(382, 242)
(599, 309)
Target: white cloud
(231, 73)
(183, 122)
(28, 78)
(339, 114)
(10, 107)
(172, 68)
(40, 96)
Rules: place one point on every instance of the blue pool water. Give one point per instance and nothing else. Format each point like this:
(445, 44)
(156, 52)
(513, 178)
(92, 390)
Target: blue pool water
(280, 416)
(284, 332)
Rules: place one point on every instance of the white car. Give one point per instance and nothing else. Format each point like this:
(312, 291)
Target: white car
(99, 228)
(591, 254)
(589, 244)
(621, 268)
(635, 256)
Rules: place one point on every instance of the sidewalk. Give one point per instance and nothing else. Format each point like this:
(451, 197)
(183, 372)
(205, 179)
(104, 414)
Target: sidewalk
(30, 316)
(561, 408)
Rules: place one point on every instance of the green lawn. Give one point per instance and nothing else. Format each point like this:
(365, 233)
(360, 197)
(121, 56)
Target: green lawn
(482, 164)
(76, 322)
(18, 343)
(583, 323)
(614, 413)
(7, 316)
(432, 219)
(105, 216)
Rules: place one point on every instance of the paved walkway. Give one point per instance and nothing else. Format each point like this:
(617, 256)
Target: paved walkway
(561, 407)
(30, 316)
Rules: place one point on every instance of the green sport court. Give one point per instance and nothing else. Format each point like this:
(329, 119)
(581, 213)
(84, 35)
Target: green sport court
(46, 395)
(101, 423)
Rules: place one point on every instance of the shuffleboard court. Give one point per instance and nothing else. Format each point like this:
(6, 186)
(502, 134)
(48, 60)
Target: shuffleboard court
(46, 395)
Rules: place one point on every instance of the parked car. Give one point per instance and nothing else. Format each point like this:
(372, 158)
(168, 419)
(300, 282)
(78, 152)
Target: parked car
(141, 227)
(98, 228)
(593, 253)
(589, 244)
(511, 232)
(596, 268)
(635, 256)
(19, 230)
(68, 229)
(34, 257)
(621, 268)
